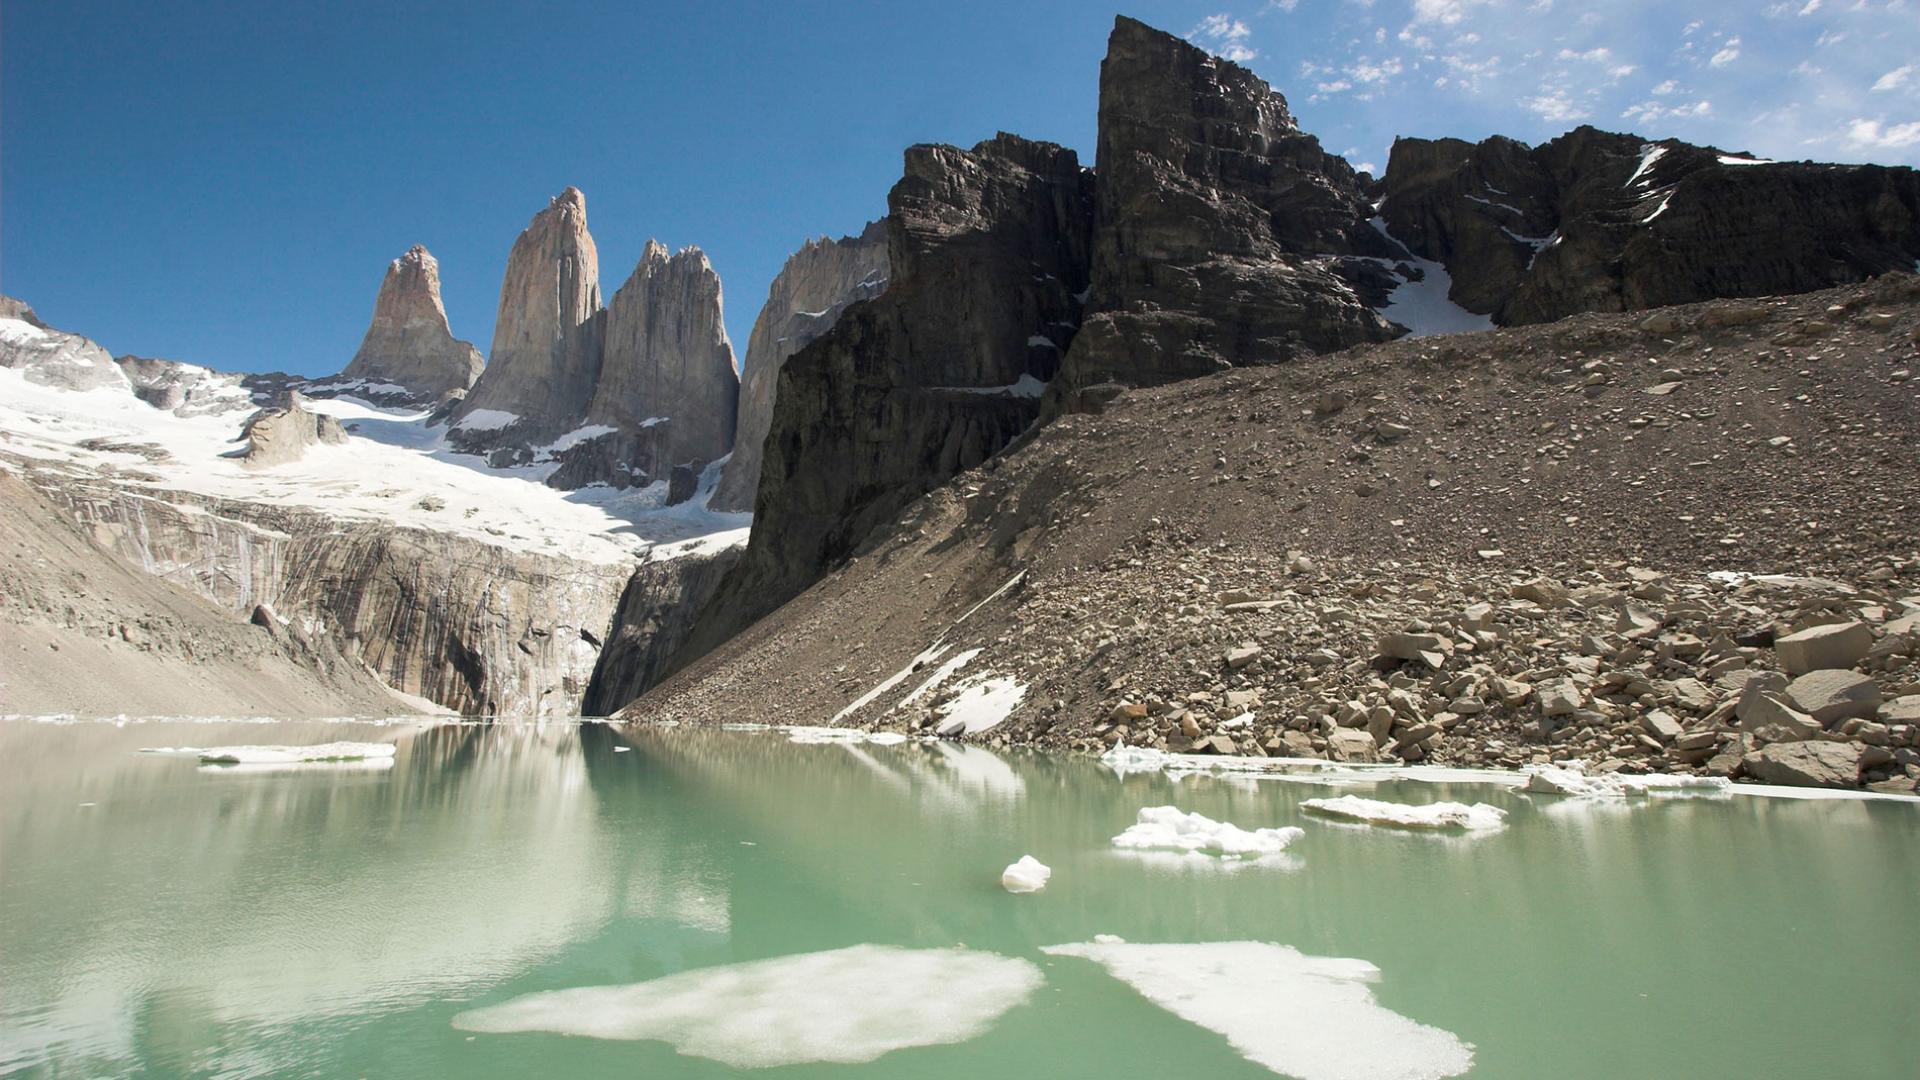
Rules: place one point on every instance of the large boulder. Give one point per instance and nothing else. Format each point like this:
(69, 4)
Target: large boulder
(1831, 696)
(1806, 764)
(409, 343)
(1835, 645)
(282, 434)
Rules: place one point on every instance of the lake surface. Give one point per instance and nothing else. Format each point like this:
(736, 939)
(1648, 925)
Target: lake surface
(784, 909)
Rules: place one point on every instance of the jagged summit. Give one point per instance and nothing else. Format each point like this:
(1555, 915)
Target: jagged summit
(409, 343)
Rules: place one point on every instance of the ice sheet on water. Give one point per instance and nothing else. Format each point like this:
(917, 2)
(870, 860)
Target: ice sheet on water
(1571, 778)
(279, 755)
(1440, 815)
(1308, 1017)
(845, 1006)
(813, 736)
(1166, 828)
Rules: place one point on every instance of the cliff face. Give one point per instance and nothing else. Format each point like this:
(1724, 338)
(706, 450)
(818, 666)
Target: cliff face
(409, 343)
(651, 624)
(476, 628)
(1596, 221)
(817, 283)
(545, 358)
(988, 250)
(1216, 219)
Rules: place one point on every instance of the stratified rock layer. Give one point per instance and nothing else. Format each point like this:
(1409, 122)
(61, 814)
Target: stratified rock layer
(1597, 221)
(409, 343)
(817, 283)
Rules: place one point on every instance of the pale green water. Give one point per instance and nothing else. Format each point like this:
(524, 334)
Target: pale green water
(332, 922)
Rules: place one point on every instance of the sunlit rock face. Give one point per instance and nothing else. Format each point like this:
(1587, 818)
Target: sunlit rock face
(409, 343)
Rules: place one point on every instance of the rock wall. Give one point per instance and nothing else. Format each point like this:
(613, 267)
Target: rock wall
(651, 624)
(988, 250)
(479, 629)
(1598, 221)
(409, 343)
(817, 283)
(1217, 217)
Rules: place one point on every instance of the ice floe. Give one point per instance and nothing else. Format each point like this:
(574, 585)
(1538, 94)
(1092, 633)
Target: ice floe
(1308, 1017)
(823, 735)
(1166, 828)
(1029, 875)
(278, 755)
(1571, 778)
(1440, 815)
(845, 1006)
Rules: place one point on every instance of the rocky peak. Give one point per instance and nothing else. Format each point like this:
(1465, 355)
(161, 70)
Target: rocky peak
(817, 283)
(409, 343)
(50, 357)
(545, 358)
(667, 362)
(1215, 215)
(283, 433)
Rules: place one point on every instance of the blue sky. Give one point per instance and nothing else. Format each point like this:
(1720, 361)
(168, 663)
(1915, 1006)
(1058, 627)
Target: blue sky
(225, 182)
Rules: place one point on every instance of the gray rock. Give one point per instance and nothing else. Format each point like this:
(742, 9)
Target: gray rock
(1836, 645)
(283, 434)
(1661, 725)
(1901, 710)
(50, 357)
(1806, 764)
(1771, 716)
(1352, 744)
(1430, 649)
(409, 343)
(1832, 696)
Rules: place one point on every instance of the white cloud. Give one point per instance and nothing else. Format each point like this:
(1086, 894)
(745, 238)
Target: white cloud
(1224, 36)
(1444, 12)
(1870, 134)
(1665, 88)
(1653, 112)
(1812, 6)
(1554, 107)
(1728, 53)
(1288, 5)
(1367, 71)
(1894, 79)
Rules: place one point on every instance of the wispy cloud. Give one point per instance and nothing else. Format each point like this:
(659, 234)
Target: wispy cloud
(1893, 80)
(1224, 36)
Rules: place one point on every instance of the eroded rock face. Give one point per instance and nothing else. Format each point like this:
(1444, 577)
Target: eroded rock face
(52, 357)
(1597, 221)
(283, 434)
(545, 360)
(988, 250)
(409, 343)
(651, 623)
(184, 389)
(1216, 219)
(817, 283)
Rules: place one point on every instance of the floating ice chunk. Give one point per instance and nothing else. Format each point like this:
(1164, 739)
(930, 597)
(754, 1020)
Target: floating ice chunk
(1109, 939)
(279, 755)
(1166, 828)
(846, 1006)
(1309, 1017)
(1571, 778)
(623, 749)
(1442, 815)
(1124, 759)
(227, 768)
(1027, 875)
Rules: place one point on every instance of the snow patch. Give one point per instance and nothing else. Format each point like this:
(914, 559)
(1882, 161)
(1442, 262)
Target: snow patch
(487, 420)
(1442, 815)
(1029, 875)
(846, 1006)
(1041, 341)
(1423, 306)
(982, 703)
(19, 332)
(1308, 1017)
(1727, 160)
(1166, 828)
(1026, 386)
(1650, 155)
(940, 674)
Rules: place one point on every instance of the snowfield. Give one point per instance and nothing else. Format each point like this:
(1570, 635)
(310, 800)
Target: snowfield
(394, 468)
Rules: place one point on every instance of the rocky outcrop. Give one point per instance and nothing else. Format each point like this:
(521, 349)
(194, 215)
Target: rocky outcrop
(409, 343)
(988, 250)
(51, 357)
(651, 624)
(184, 389)
(545, 360)
(282, 435)
(666, 391)
(477, 628)
(817, 283)
(1597, 221)
(1217, 222)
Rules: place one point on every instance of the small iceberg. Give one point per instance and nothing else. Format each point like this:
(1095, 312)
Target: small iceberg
(279, 755)
(1127, 760)
(1307, 1017)
(1029, 875)
(1441, 815)
(843, 1007)
(1166, 828)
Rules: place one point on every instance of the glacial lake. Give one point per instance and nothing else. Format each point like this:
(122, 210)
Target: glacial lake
(712, 904)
